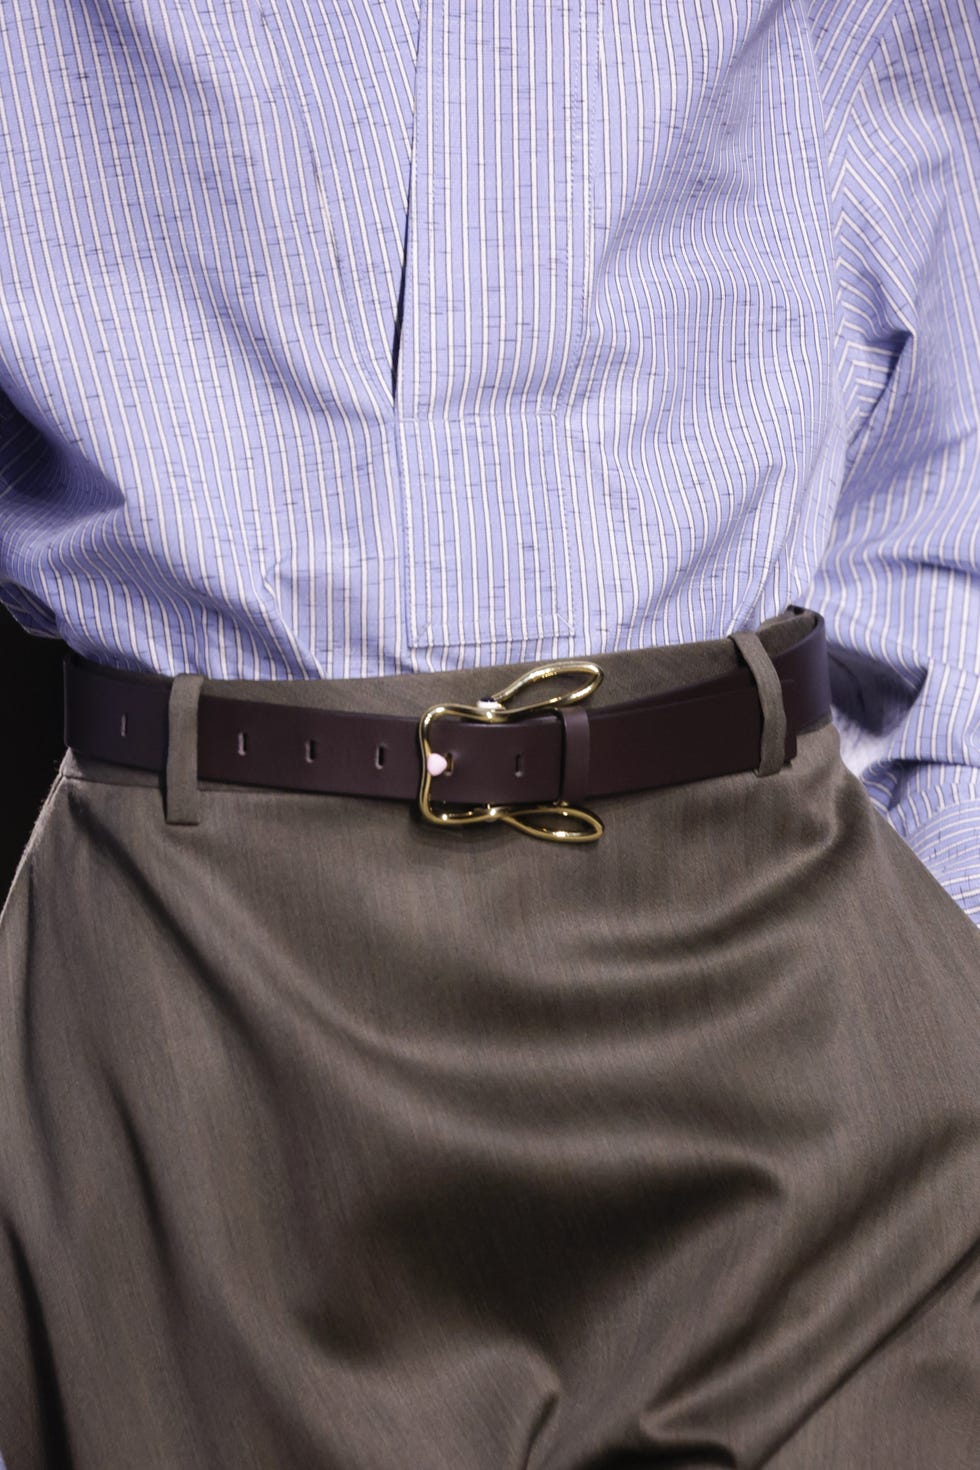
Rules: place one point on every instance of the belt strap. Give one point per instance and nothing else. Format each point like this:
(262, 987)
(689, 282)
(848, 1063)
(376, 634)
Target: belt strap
(712, 728)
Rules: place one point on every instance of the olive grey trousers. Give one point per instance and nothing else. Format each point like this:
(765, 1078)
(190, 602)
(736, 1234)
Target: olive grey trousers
(334, 1141)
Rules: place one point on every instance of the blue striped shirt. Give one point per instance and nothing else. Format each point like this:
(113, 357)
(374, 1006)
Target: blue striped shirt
(380, 335)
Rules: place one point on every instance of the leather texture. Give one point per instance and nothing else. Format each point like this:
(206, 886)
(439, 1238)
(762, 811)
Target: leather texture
(696, 732)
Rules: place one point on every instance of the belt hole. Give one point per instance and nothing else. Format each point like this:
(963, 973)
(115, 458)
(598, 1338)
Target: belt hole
(123, 726)
(379, 756)
(242, 742)
(310, 752)
(518, 765)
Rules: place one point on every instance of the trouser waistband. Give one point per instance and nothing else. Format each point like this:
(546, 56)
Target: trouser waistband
(660, 716)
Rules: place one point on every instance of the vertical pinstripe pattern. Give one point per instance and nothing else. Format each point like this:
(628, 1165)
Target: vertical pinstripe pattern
(900, 578)
(395, 334)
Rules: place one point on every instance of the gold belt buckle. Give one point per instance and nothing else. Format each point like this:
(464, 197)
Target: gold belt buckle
(537, 820)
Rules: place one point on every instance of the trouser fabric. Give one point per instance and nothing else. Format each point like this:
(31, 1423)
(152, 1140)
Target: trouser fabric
(331, 1139)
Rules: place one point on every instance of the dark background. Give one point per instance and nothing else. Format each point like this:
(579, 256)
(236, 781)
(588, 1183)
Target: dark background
(31, 746)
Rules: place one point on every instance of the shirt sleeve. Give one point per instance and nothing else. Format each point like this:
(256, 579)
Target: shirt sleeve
(900, 582)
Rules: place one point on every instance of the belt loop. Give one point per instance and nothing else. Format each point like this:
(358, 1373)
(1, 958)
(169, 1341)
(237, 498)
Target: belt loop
(772, 753)
(575, 754)
(181, 794)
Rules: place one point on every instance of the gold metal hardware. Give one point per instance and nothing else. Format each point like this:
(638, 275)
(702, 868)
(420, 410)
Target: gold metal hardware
(543, 819)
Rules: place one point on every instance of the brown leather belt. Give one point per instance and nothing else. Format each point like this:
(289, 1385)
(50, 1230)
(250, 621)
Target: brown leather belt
(691, 733)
